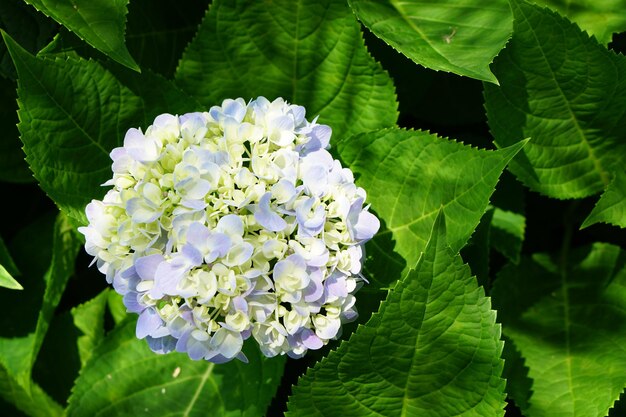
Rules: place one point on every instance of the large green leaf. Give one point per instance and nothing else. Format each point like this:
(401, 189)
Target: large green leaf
(433, 349)
(125, 378)
(72, 113)
(309, 52)
(611, 208)
(455, 36)
(17, 355)
(565, 91)
(599, 18)
(409, 176)
(566, 315)
(101, 23)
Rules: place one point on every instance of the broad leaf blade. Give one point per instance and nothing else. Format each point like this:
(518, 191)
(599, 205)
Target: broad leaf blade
(566, 316)
(101, 23)
(565, 91)
(433, 349)
(72, 113)
(599, 18)
(461, 37)
(409, 177)
(611, 208)
(310, 53)
(124, 377)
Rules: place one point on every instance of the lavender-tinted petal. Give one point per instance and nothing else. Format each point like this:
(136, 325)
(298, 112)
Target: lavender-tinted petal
(366, 226)
(148, 323)
(310, 339)
(315, 289)
(161, 345)
(268, 218)
(146, 266)
(131, 301)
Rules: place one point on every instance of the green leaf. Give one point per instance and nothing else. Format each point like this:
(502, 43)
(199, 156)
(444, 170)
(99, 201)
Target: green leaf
(7, 281)
(116, 307)
(409, 176)
(309, 52)
(507, 233)
(611, 208)
(89, 319)
(35, 403)
(476, 252)
(124, 377)
(518, 385)
(100, 23)
(599, 18)
(461, 37)
(433, 349)
(72, 113)
(566, 316)
(17, 355)
(8, 269)
(565, 91)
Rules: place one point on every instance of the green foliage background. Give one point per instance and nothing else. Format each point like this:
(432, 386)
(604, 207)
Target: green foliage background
(489, 136)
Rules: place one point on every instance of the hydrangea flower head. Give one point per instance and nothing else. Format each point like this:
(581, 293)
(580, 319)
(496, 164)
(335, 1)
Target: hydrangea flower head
(232, 223)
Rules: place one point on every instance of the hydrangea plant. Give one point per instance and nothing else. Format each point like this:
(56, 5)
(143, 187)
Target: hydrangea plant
(199, 196)
(230, 223)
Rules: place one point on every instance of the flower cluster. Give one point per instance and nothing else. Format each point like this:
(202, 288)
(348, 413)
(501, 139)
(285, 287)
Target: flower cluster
(231, 223)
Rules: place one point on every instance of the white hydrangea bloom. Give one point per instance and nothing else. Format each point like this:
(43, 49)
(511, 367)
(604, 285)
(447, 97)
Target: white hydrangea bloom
(232, 223)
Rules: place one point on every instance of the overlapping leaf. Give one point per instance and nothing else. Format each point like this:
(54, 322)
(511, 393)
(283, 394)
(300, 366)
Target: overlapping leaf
(565, 91)
(309, 52)
(409, 176)
(433, 349)
(125, 378)
(17, 355)
(73, 112)
(566, 316)
(101, 23)
(599, 18)
(455, 36)
(611, 208)
(71, 115)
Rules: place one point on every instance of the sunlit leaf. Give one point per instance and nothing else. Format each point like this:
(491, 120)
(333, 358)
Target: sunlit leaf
(124, 377)
(309, 52)
(565, 91)
(461, 37)
(599, 18)
(611, 208)
(101, 23)
(433, 349)
(409, 176)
